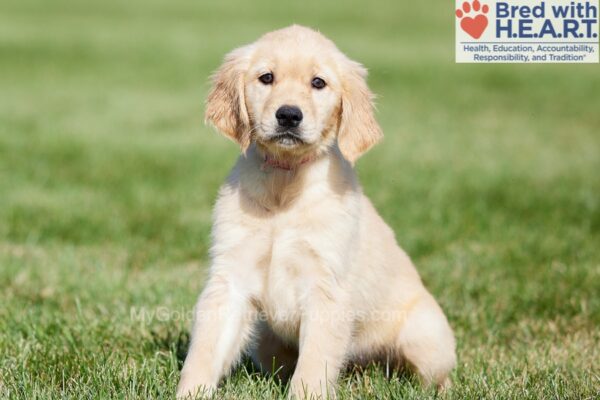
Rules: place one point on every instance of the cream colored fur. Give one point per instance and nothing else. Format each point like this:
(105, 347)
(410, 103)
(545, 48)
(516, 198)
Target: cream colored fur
(305, 274)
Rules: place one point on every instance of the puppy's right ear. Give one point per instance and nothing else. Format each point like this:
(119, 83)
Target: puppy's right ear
(226, 104)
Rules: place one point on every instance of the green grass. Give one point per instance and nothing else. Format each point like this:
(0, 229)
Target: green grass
(489, 175)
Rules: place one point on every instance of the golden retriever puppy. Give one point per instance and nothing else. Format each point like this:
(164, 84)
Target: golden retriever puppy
(305, 274)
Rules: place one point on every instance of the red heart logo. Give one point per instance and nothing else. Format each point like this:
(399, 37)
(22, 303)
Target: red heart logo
(474, 26)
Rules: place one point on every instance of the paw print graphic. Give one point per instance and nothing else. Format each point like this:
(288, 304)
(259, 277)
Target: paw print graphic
(474, 26)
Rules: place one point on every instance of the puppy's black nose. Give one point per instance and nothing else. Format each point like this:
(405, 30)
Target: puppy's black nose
(288, 116)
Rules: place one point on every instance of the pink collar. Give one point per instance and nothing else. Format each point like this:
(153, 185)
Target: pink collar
(282, 164)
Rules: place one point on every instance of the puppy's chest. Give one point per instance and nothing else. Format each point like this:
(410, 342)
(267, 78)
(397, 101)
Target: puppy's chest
(297, 250)
(289, 272)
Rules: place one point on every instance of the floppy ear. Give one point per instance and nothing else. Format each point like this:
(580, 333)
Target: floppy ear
(226, 104)
(358, 129)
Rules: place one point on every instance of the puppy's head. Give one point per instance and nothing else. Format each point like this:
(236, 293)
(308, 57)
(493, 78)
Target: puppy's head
(294, 94)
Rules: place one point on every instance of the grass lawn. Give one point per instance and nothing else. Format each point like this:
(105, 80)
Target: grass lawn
(489, 175)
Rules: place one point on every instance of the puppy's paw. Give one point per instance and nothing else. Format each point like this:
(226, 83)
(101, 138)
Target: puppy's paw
(190, 390)
(444, 385)
(300, 391)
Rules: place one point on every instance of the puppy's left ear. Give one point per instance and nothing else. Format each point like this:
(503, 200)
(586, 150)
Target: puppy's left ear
(358, 129)
(226, 103)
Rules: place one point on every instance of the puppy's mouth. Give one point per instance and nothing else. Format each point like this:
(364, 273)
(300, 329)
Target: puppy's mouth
(287, 139)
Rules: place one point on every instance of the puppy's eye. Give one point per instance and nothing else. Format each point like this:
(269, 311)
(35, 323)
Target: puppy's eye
(318, 83)
(267, 78)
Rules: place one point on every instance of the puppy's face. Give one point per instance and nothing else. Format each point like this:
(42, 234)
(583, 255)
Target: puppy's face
(293, 96)
(293, 93)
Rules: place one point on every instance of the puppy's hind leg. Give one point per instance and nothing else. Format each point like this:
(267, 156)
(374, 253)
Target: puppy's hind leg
(427, 343)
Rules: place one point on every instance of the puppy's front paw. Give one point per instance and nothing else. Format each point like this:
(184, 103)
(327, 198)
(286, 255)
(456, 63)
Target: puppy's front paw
(189, 389)
(298, 393)
(302, 391)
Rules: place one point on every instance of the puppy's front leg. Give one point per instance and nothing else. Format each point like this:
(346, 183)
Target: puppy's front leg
(222, 325)
(325, 333)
